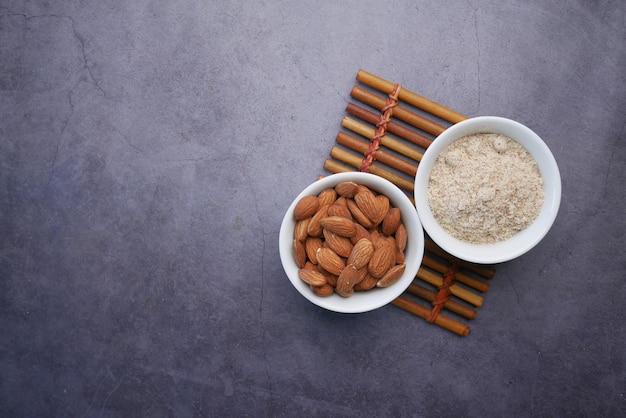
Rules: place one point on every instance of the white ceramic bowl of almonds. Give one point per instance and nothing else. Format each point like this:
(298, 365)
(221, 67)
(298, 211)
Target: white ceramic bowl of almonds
(360, 300)
(487, 190)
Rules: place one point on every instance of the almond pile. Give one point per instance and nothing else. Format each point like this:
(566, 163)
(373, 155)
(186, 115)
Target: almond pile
(348, 238)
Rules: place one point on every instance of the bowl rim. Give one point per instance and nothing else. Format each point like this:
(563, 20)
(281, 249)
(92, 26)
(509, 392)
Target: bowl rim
(524, 240)
(360, 302)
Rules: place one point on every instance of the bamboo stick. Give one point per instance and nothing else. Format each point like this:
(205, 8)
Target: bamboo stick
(355, 161)
(336, 167)
(392, 127)
(482, 270)
(451, 305)
(381, 156)
(393, 144)
(459, 275)
(456, 290)
(399, 112)
(410, 97)
(423, 312)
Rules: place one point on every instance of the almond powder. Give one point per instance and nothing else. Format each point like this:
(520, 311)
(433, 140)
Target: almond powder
(485, 188)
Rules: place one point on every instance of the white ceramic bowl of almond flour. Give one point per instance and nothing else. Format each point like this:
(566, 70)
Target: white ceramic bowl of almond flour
(522, 241)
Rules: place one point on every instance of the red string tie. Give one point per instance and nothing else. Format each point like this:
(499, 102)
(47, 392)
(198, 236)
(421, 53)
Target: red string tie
(381, 128)
(443, 294)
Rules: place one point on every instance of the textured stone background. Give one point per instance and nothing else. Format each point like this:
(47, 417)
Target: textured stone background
(149, 150)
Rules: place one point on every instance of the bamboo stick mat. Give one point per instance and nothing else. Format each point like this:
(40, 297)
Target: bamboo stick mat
(446, 291)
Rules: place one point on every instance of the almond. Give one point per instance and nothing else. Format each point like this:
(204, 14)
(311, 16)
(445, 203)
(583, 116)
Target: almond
(300, 231)
(367, 203)
(314, 228)
(382, 260)
(375, 237)
(391, 241)
(327, 196)
(391, 221)
(364, 188)
(331, 279)
(369, 282)
(339, 225)
(312, 277)
(401, 237)
(360, 233)
(392, 276)
(358, 215)
(311, 245)
(382, 240)
(361, 274)
(341, 201)
(341, 245)
(347, 294)
(323, 290)
(330, 261)
(347, 189)
(399, 256)
(382, 207)
(339, 210)
(361, 253)
(306, 207)
(346, 281)
(299, 253)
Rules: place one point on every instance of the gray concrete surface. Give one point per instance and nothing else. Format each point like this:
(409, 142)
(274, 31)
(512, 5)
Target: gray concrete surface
(149, 149)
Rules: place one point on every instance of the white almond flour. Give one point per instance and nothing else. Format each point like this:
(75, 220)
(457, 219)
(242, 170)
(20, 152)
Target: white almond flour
(485, 188)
